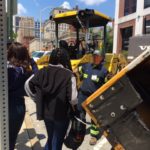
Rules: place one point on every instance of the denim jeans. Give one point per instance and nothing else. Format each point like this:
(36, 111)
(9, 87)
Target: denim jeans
(56, 131)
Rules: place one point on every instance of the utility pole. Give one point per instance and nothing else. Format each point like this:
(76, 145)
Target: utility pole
(41, 26)
(4, 130)
(11, 10)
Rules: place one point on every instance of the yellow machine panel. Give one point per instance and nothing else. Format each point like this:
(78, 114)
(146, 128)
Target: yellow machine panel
(121, 106)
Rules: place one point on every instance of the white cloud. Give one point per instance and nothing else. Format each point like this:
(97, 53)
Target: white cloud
(21, 9)
(36, 2)
(93, 2)
(66, 4)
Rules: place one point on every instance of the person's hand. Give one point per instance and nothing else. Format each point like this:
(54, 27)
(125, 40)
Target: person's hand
(33, 65)
(109, 75)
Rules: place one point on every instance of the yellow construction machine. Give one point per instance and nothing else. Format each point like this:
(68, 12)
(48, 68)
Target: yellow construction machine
(121, 107)
(83, 20)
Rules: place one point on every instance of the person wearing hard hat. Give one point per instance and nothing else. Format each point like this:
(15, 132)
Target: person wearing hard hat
(93, 76)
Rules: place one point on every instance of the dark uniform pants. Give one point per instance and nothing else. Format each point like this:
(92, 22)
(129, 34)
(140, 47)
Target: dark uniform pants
(81, 98)
(94, 131)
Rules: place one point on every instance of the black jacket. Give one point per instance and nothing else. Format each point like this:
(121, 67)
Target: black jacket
(52, 86)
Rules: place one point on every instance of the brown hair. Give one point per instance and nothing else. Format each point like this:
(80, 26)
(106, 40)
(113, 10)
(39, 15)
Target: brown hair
(18, 55)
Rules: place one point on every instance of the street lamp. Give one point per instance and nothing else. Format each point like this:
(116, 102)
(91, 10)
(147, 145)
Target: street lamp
(41, 22)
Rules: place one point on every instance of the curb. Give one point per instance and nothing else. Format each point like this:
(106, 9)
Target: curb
(33, 139)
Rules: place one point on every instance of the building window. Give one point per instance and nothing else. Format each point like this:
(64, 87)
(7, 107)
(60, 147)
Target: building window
(147, 27)
(126, 34)
(47, 29)
(146, 3)
(130, 7)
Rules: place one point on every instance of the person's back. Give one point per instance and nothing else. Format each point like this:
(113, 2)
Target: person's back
(55, 84)
(55, 91)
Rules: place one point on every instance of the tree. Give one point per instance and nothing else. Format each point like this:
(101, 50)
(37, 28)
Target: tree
(109, 39)
(14, 36)
(98, 34)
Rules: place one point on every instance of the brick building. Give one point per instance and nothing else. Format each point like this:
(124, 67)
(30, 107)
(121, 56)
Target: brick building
(47, 40)
(132, 17)
(25, 30)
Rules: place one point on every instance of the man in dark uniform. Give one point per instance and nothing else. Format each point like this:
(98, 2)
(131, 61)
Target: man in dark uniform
(93, 76)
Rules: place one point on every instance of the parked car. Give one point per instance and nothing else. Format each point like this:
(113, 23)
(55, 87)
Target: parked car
(38, 54)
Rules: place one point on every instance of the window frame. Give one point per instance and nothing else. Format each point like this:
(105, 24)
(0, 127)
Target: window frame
(129, 7)
(147, 5)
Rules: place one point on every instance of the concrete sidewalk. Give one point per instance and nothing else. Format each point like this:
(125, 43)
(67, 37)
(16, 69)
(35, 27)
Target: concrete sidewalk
(33, 134)
(27, 138)
(23, 141)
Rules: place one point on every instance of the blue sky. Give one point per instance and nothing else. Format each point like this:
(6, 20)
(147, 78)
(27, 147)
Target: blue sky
(33, 7)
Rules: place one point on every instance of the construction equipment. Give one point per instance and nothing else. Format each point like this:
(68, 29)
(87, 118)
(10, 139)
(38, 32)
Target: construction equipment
(84, 20)
(121, 106)
(137, 45)
(80, 20)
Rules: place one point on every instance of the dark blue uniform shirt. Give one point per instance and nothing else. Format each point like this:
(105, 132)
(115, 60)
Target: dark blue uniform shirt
(93, 77)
